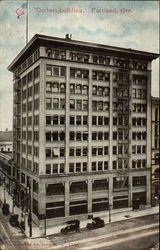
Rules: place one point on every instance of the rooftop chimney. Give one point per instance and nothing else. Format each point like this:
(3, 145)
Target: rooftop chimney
(69, 36)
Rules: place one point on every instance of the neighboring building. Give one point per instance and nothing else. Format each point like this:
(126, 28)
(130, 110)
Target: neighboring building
(81, 127)
(6, 141)
(155, 148)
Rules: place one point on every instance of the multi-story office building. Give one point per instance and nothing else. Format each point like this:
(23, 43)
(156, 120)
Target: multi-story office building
(82, 127)
(155, 148)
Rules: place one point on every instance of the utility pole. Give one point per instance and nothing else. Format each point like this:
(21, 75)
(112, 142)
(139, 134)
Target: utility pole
(30, 212)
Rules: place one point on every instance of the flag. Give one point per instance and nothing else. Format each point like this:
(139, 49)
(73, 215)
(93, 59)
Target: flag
(21, 10)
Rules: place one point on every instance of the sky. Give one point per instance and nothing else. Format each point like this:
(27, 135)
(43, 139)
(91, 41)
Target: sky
(128, 24)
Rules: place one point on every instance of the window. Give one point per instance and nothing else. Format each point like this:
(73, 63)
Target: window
(100, 165)
(100, 120)
(106, 121)
(48, 136)
(62, 103)
(94, 151)
(138, 149)
(114, 164)
(100, 151)
(94, 105)
(85, 151)
(72, 120)
(106, 135)
(114, 150)
(48, 152)
(55, 168)
(100, 136)
(55, 119)
(100, 91)
(48, 103)
(49, 70)
(84, 166)
(55, 87)
(105, 165)
(94, 90)
(134, 149)
(72, 135)
(55, 136)
(85, 120)
(133, 93)
(48, 168)
(71, 167)
(94, 136)
(79, 104)
(56, 71)
(62, 152)
(114, 121)
(114, 135)
(139, 93)
(105, 150)
(85, 136)
(55, 103)
(106, 106)
(72, 88)
(94, 166)
(62, 120)
(85, 105)
(94, 120)
(100, 105)
(71, 152)
(78, 136)
(78, 120)
(78, 89)
(78, 167)
(78, 151)
(62, 136)
(85, 90)
(48, 86)
(72, 104)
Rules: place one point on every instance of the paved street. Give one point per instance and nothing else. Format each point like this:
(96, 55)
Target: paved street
(132, 234)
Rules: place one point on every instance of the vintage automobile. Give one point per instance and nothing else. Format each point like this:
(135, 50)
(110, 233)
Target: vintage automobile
(96, 223)
(73, 226)
(5, 209)
(14, 220)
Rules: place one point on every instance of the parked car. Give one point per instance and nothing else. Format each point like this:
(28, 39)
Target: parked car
(5, 209)
(96, 223)
(73, 226)
(14, 220)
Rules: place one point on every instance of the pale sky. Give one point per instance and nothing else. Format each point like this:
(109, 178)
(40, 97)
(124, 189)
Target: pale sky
(128, 24)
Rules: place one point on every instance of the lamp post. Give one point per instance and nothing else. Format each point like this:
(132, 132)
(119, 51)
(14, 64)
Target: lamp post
(30, 212)
(109, 205)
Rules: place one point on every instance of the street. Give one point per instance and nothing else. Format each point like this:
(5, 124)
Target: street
(134, 233)
(138, 233)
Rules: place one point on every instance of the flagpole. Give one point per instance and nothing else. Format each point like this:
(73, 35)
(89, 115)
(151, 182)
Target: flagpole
(27, 23)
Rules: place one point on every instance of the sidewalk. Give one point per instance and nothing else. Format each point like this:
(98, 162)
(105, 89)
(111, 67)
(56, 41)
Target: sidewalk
(116, 215)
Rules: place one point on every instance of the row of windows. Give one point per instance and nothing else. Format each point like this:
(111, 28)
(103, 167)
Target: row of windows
(139, 121)
(139, 163)
(121, 106)
(55, 136)
(139, 93)
(100, 106)
(78, 151)
(55, 152)
(99, 151)
(30, 119)
(139, 149)
(55, 103)
(55, 120)
(29, 150)
(55, 87)
(27, 62)
(78, 89)
(138, 107)
(29, 135)
(55, 168)
(139, 80)
(139, 135)
(30, 91)
(55, 71)
(95, 58)
(31, 104)
(100, 91)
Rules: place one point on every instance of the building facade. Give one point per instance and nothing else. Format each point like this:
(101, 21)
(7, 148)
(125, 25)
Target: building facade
(81, 127)
(155, 148)
(6, 141)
